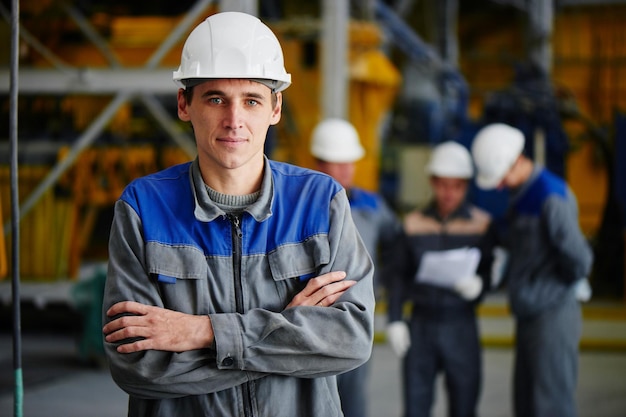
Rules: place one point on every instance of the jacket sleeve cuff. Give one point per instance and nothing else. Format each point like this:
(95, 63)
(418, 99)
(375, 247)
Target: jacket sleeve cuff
(227, 341)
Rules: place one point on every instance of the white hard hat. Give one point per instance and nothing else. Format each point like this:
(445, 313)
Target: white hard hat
(450, 160)
(336, 140)
(233, 45)
(495, 149)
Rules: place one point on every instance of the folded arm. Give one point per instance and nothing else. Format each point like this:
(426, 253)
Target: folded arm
(155, 352)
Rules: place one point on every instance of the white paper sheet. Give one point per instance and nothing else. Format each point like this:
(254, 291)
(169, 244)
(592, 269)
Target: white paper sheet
(446, 268)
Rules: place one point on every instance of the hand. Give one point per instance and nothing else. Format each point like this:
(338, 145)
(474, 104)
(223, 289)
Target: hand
(469, 288)
(322, 291)
(157, 328)
(399, 338)
(583, 290)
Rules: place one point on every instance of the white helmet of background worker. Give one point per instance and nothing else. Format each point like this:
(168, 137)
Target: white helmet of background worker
(232, 45)
(336, 140)
(495, 149)
(450, 160)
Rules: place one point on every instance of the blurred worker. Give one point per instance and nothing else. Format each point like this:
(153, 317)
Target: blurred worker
(444, 270)
(225, 293)
(547, 258)
(336, 147)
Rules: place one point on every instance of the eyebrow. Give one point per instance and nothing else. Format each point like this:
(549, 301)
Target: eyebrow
(221, 93)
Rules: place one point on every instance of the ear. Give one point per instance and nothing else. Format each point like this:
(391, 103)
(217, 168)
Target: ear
(182, 106)
(276, 113)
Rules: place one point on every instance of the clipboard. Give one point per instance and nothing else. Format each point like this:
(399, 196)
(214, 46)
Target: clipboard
(445, 268)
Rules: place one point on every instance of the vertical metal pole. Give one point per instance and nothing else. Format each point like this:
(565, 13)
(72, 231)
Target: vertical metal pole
(335, 20)
(447, 31)
(245, 6)
(539, 32)
(15, 215)
(539, 139)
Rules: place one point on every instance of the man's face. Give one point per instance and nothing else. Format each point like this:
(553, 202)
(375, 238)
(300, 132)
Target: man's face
(449, 193)
(343, 172)
(514, 177)
(230, 119)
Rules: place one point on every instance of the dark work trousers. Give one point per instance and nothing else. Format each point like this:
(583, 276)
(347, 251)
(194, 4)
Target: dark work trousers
(450, 346)
(353, 391)
(546, 362)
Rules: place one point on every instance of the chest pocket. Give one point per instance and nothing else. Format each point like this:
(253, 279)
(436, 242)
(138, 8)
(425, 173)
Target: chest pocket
(284, 272)
(180, 273)
(300, 260)
(294, 264)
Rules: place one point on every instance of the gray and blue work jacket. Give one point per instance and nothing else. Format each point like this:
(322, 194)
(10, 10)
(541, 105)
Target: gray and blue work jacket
(547, 251)
(466, 227)
(172, 247)
(379, 228)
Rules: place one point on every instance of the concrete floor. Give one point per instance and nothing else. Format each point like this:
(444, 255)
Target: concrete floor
(601, 388)
(58, 384)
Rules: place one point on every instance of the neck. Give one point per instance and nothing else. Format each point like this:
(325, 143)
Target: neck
(236, 181)
(444, 213)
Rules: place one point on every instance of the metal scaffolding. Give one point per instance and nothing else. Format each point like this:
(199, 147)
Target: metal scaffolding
(125, 84)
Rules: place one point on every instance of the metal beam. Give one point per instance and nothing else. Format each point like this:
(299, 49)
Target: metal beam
(92, 34)
(85, 140)
(162, 117)
(179, 31)
(146, 80)
(149, 100)
(404, 37)
(35, 44)
(91, 81)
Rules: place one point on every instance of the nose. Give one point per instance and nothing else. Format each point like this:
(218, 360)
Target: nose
(233, 114)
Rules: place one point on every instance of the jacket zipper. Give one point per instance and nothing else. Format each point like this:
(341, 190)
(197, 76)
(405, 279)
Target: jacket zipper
(237, 236)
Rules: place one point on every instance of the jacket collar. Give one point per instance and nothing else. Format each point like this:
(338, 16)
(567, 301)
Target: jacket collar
(206, 210)
(516, 194)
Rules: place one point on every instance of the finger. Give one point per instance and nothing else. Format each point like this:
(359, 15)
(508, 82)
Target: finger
(136, 346)
(123, 322)
(127, 327)
(316, 283)
(127, 307)
(331, 299)
(330, 290)
(119, 334)
(309, 296)
(330, 277)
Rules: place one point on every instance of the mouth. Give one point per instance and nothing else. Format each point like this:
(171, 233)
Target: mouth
(231, 140)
